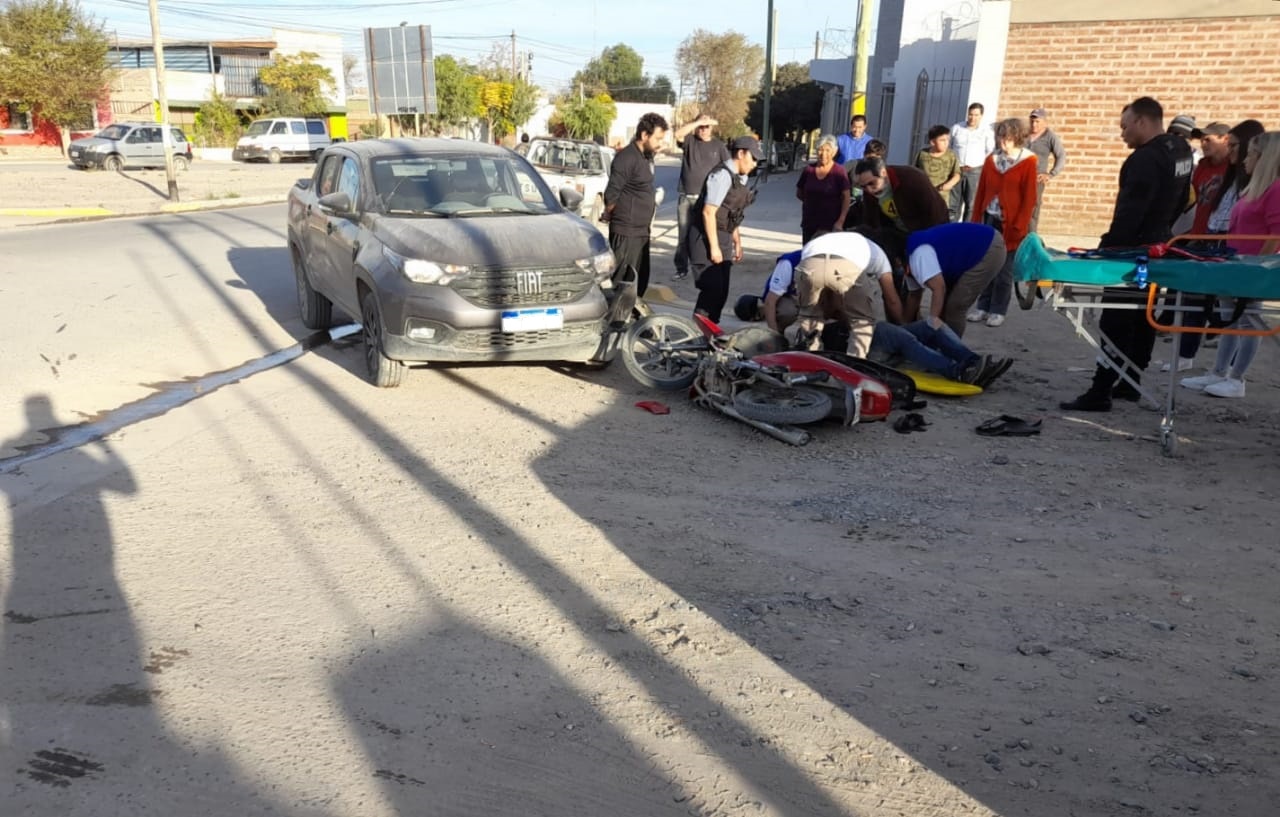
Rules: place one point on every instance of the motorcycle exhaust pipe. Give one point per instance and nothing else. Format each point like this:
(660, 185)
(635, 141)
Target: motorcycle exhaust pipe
(788, 434)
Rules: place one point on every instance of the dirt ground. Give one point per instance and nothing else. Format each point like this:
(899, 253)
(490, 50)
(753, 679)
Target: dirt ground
(639, 614)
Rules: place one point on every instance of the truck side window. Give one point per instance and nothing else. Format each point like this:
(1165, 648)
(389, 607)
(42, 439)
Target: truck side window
(329, 175)
(349, 180)
(298, 127)
(279, 127)
(315, 126)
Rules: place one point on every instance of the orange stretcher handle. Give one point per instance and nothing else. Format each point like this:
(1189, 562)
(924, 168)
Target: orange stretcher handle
(1152, 289)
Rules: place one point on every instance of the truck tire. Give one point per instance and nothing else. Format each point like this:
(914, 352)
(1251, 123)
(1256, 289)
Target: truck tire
(383, 372)
(273, 156)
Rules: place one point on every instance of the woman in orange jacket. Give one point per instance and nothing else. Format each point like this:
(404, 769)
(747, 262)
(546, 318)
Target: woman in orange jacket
(1006, 200)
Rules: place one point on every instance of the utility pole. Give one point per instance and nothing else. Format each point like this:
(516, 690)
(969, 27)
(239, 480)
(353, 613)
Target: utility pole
(861, 58)
(166, 138)
(513, 55)
(768, 89)
(817, 45)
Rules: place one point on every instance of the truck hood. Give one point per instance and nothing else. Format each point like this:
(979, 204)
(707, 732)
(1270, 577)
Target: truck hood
(491, 241)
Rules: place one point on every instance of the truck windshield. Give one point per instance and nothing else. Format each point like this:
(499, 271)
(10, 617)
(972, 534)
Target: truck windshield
(460, 185)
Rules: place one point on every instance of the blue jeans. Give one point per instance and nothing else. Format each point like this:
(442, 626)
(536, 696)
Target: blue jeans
(995, 298)
(934, 350)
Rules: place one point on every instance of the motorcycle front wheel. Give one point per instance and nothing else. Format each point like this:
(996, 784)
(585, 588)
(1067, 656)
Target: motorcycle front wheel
(787, 406)
(663, 351)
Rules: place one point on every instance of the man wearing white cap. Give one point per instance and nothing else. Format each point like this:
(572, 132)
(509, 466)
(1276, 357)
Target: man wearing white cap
(1044, 143)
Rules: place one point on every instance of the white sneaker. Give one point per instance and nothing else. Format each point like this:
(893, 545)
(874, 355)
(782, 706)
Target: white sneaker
(1227, 387)
(976, 316)
(995, 320)
(1184, 364)
(1202, 382)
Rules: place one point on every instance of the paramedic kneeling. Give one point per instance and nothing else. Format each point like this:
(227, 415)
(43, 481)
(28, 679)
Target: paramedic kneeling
(955, 262)
(842, 276)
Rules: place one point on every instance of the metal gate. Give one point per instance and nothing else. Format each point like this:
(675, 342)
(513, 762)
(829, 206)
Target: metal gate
(940, 100)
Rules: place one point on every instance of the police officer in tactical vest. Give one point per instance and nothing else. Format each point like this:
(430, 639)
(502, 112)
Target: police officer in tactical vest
(714, 243)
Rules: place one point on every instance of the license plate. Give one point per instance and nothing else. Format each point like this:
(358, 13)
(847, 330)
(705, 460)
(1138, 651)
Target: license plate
(532, 320)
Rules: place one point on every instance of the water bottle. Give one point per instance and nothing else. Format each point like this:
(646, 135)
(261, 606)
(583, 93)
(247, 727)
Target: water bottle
(1140, 273)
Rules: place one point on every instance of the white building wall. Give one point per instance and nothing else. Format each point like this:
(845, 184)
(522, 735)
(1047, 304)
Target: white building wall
(624, 124)
(328, 46)
(988, 58)
(940, 38)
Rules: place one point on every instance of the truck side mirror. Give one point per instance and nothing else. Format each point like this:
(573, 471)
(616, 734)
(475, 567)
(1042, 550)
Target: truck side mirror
(570, 199)
(338, 204)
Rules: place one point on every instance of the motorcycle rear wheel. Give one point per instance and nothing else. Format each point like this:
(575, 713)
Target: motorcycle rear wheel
(791, 406)
(649, 358)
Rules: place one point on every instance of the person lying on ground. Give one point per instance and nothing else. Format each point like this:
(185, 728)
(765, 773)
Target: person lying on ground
(927, 344)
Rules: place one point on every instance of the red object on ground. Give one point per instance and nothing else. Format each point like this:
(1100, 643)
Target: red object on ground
(653, 407)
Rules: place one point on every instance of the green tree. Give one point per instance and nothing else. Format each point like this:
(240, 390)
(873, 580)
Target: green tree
(724, 70)
(53, 61)
(217, 123)
(457, 93)
(588, 117)
(524, 103)
(619, 72)
(296, 85)
(795, 107)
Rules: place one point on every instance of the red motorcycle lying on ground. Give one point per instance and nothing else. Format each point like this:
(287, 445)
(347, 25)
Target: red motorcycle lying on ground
(748, 375)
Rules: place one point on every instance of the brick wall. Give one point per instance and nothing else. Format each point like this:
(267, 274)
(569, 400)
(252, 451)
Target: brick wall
(1083, 74)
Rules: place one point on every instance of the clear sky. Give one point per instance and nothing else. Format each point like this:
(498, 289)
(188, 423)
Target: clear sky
(562, 34)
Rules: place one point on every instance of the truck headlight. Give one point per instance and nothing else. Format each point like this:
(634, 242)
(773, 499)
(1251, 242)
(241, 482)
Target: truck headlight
(601, 266)
(422, 271)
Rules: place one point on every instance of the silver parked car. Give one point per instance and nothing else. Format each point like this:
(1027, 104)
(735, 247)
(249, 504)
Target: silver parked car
(447, 250)
(130, 144)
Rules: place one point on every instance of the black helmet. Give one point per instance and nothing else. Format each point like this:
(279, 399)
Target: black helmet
(748, 308)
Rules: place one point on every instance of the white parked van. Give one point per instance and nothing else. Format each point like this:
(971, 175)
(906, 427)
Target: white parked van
(282, 138)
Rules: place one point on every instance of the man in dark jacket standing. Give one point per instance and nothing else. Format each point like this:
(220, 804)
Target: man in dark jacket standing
(1154, 185)
(701, 154)
(896, 201)
(629, 200)
(714, 243)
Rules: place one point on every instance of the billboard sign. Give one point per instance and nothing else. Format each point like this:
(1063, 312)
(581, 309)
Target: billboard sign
(402, 75)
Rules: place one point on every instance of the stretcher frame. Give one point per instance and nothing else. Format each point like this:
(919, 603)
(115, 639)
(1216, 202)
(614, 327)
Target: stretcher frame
(1078, 301)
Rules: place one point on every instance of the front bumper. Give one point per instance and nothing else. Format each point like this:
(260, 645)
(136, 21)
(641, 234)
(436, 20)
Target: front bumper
(248, 153)
(84, 158)
(470, 328)
(574, 342)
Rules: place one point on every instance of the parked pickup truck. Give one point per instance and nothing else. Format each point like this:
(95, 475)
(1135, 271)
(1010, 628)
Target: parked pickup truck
(580, 165)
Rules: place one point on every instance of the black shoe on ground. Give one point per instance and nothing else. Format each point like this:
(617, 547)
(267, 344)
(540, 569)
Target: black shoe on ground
(1123, 391)
(1089, 401)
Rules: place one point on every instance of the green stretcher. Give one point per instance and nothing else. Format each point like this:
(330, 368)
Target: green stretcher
(1255, 277)
(1073, 286)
